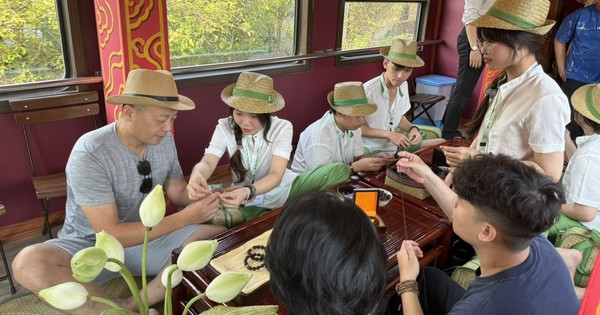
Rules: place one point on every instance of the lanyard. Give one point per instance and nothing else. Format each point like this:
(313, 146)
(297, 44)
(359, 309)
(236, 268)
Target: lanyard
(342, 139)
(252, 157)
(491, 115)
(386, 95)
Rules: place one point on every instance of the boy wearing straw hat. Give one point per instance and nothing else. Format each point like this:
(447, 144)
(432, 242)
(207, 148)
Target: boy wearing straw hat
(109, 172)
(336, 137)
(582, 177)
(389, 91)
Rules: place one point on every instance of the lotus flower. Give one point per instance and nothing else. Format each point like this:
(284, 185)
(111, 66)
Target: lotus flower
(87, 263)
(176, 276)
(152, 210)
(196, 255)
(65, 296)
(227, 286)
(113, 249)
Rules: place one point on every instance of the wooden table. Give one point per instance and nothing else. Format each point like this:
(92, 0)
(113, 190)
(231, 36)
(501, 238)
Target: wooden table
(423, 224)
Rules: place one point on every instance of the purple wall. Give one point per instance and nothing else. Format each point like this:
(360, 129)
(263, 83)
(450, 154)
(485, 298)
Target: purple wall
(305, 95)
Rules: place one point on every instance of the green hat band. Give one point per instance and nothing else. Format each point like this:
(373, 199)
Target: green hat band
(351, 102)
(402, 55)
(255, 95)
(589, 101)
(511, 19)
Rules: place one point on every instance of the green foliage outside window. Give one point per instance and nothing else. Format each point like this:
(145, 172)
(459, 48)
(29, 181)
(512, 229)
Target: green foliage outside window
(30, 43)
(217, 31)
(373, 24)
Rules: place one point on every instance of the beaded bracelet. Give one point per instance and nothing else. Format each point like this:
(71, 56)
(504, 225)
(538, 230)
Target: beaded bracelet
(255, 256)
(407, 286)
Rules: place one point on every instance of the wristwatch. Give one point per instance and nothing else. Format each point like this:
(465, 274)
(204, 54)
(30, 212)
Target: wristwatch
(474, 47)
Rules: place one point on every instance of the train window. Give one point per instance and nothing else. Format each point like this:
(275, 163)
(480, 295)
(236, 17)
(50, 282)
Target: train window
(207, 35)
(366, 24)
(30, 42)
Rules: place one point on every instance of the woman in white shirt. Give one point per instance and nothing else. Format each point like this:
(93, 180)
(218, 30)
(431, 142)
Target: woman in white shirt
(524, 112)
(259, 147)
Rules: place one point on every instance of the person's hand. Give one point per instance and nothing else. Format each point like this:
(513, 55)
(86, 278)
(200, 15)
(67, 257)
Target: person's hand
(449, 177)
(233, 199)
(369, 164)
(398, 139)
(407, 260)
(203, 209)
(455, 155)
(412, 165)
(198, 187)
(414, 135)
(475, 59)
(562, 72)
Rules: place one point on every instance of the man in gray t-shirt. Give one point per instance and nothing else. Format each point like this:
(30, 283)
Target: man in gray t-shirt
(109, 172)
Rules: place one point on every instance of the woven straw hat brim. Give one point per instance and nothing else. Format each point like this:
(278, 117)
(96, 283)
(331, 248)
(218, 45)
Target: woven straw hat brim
(184, 103)
(354, 110)
(413, 63)
(582, 98)
(489, 21)
(248, 105)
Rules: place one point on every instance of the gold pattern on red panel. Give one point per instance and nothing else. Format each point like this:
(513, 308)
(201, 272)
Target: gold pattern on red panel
(146, 38)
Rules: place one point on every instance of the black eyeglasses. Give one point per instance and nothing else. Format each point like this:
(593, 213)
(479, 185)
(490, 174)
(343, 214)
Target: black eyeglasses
(144, 169)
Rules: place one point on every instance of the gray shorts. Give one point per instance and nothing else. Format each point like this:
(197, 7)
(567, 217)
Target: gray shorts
(157, 256)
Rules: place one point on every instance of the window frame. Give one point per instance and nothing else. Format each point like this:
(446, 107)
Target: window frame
(367, 55)
(199, 75)
(76, 75)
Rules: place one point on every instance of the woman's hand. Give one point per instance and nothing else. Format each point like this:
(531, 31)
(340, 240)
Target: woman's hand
(233, 198)
(414, 135)
(412, 165)
(398, 139)
(407, 260)
(455, 155)
(197, 187)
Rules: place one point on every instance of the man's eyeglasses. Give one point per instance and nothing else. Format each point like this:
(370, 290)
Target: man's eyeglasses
(144, 169)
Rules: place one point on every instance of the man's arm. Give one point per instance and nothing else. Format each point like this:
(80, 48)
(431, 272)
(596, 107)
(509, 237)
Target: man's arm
(105, 217)
(474, 55)
(560, 54)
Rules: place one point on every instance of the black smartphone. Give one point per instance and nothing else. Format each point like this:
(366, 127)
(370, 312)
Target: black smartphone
(438, 159)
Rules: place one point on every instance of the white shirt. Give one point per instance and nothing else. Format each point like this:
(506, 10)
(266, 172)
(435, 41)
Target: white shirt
(279, 144)
(582, 177)
(323, 142)
(378, 93)
(530, 117)
(474, 9)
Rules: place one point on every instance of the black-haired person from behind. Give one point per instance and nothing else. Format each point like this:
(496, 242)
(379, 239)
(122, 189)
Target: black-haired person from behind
(324, 256)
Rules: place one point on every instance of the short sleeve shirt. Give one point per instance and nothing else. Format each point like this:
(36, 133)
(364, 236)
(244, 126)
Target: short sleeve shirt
(474, 9)
(531, 117)
(377, 92)
(582, 177)
(582, 29)
(101, 170)
(323, 142)
(257, 155)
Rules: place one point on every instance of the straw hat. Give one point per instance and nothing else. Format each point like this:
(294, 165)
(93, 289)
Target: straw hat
(253, 93)
(517, 15)
(349, 98)
(586, 100)
(403, 53)
(152, 87)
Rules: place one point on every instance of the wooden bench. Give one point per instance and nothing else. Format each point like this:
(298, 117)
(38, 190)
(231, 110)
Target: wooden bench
(46, 109)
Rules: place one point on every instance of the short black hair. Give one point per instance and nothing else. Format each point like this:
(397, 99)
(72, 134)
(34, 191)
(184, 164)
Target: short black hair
(515, 198)
(324, 256)
(513, 39)
(594, 125)
(399, 66)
